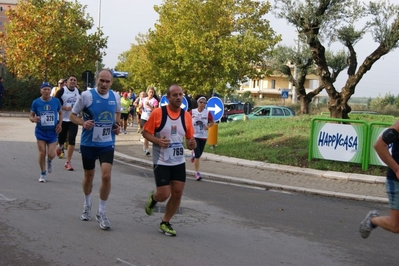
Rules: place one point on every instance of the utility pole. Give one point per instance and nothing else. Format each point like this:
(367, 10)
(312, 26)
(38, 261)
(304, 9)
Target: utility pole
(294, 96)
(99, 25)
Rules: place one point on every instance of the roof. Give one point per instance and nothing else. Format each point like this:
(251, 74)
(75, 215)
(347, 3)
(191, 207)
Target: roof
(8, 2)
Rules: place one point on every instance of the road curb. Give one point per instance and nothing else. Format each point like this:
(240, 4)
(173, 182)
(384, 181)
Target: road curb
(267, 185)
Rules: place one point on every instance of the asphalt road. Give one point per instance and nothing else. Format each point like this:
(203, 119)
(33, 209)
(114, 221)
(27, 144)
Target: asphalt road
(219, 223)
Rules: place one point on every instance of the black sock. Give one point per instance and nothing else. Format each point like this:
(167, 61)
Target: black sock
(153, 203)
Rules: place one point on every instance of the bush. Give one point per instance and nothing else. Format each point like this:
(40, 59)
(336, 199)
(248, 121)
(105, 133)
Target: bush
(19, 93)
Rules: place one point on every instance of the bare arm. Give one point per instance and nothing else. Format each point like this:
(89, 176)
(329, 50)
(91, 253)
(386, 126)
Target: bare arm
(382, 150)
(163, 142)
(33, 118)
(58, 127)
(77, 120)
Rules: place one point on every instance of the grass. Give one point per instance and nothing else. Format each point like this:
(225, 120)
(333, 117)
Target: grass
(283, 141)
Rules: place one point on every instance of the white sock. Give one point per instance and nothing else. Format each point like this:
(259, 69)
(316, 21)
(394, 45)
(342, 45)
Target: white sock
(87, 200)
(101, 208)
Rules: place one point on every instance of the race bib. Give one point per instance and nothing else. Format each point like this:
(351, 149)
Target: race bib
(47, 118)
(174, 153)
(102, 132)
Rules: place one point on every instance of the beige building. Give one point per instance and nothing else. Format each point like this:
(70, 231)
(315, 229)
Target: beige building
(4, 6)
(271, 87)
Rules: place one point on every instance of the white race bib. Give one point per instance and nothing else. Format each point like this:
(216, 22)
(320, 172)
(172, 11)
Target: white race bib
(102, 132)
(175, 152)
(47, 118)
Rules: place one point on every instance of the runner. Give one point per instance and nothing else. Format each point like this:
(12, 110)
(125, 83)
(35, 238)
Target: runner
(46, 113)
(166, 128)
(148, 104)
(101, 113)
(68, 96)
(202, 121)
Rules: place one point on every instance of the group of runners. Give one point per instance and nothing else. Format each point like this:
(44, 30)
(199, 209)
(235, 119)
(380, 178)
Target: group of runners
(167, 128)
(98, 112)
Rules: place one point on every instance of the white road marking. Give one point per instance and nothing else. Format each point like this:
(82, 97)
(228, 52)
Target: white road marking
(2, 197)
(118, 259)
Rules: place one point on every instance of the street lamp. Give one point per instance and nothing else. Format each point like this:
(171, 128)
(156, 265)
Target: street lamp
(99, 25)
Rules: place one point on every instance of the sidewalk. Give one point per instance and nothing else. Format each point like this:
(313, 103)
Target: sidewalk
(129, 149)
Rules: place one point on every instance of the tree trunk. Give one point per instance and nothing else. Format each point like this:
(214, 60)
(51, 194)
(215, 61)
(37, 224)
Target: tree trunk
(305, 101)
(338, 106)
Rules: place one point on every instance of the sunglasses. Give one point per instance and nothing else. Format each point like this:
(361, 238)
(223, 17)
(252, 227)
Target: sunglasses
(203, 102)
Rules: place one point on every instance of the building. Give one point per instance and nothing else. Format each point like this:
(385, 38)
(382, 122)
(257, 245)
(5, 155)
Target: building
(4, 6)
(271, 87)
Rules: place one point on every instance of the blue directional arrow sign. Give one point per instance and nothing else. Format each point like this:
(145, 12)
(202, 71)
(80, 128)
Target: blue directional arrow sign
(184, 104)
(216, 107)
(164, 101)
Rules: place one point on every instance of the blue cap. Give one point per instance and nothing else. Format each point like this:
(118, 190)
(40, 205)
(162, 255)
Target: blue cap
(45, 85)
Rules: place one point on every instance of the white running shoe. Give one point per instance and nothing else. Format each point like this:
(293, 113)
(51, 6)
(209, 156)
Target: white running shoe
(42, 179)
(86, 214)
(103, 220)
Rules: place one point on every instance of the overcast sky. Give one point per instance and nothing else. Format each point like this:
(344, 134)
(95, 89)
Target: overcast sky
(123, 20)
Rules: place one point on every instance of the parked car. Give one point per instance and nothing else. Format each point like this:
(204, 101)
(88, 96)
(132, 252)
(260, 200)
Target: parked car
(267, 111)
(232, 109)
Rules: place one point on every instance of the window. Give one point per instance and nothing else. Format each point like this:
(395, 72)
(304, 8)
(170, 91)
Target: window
(265, 112)
(278, 112)
(273, 83)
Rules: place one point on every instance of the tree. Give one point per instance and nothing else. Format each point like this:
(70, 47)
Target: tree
(335, 20)
(205, 45)
(135, 61)
(48, 40)
(285, 58)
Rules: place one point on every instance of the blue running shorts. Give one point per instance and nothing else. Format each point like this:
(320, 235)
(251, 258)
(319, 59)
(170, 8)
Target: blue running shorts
(392, 189)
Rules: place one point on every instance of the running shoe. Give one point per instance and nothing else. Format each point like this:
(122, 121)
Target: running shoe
(58, 151)
(138, 130)
(42, 179)
(147, 152)
(86, 214)
(68, 166)
(49, 166)
(149, 207)
(198, 176)
(366, 226)
(192, 157)
(166, 228)
(125, 132)
(62, 155)
(103, 220)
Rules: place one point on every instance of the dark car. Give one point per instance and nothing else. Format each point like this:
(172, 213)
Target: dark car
(232, 109)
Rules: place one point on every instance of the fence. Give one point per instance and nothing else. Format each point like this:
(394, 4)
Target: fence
(345, 140)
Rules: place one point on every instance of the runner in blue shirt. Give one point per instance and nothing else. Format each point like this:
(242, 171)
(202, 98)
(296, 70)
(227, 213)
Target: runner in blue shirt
(46, 113)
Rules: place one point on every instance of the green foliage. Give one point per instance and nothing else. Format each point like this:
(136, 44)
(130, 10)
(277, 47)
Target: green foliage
(48, 39)
(19, 93)
(205, 45)
(342, 21)
(380, 102)
(135, 61)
